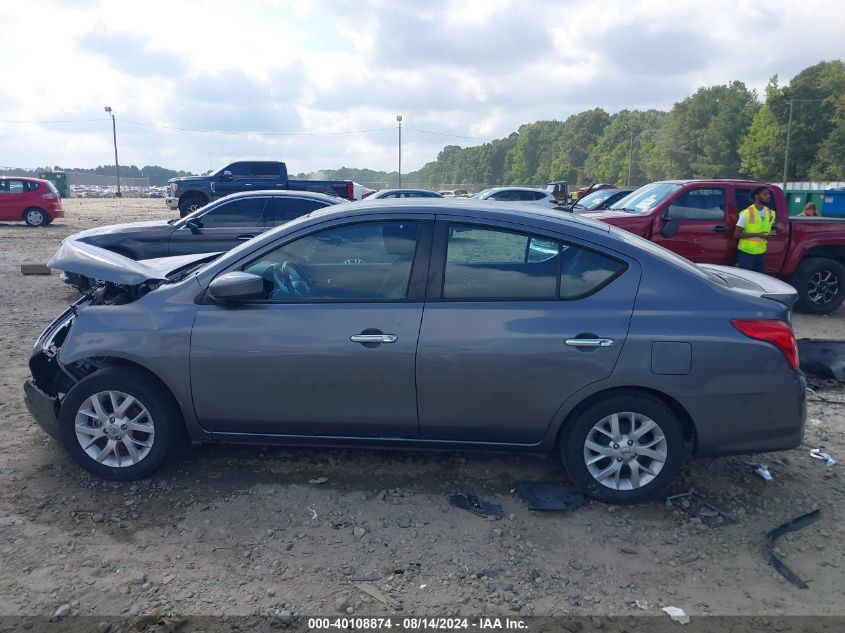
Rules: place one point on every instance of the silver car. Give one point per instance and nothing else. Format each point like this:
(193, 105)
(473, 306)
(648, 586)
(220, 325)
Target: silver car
(425, 324)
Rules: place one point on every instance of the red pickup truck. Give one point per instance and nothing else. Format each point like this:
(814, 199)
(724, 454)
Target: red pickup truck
(696, 219)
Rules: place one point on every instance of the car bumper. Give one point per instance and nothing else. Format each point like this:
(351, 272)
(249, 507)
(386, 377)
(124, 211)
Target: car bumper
(172, 203)
(42, 407)
(57, 212)
(757, 423)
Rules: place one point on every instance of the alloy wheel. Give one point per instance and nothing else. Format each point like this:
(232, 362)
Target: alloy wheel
(625, 451)
(824, 286)
(114, 429)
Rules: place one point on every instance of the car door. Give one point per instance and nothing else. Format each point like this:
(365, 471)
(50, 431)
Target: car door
(220, 226)
(515, 322)
(265, 175)
(337, 360)
(12, 199)
(237, 181)
(703, 234)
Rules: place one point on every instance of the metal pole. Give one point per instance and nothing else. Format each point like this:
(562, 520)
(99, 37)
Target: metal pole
(399, 120)
(786, 152)
(630, 159)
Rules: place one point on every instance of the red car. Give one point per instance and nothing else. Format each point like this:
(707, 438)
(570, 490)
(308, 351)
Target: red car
(37, 202)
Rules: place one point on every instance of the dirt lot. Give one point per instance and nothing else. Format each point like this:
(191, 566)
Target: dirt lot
(252, 531)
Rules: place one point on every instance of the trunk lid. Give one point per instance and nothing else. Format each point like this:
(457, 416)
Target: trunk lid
(93, 262)
(754, 284)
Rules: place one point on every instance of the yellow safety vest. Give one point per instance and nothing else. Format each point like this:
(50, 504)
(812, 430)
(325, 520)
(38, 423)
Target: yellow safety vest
(756, 223)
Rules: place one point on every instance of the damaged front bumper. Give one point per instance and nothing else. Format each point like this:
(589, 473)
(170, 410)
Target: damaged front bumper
(42, 407)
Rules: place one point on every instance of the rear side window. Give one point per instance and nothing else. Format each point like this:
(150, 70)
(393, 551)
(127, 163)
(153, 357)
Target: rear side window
(30, 185)
(265, 170)
(492, 263)
(743, 199)
(699, 204)
(242, 212)
(283, 210)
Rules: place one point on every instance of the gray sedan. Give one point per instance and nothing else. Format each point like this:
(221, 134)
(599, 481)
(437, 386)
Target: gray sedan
(425, 324)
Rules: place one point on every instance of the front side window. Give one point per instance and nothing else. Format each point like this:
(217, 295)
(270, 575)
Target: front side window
(699, 204)
(238, 170)
(12, 186)
(242, 212)
(368, 261)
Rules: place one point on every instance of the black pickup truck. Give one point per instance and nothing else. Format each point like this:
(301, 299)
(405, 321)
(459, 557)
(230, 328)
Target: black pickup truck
(190, 193)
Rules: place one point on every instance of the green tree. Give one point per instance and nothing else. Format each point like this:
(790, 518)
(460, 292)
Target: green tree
(761, 151)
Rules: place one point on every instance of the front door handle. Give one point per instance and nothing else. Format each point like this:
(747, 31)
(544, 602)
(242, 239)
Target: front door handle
(589, 342)
(373, 338)
(720, 229)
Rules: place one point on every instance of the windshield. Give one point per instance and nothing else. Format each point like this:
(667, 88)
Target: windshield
(645, 199)
(595, 199)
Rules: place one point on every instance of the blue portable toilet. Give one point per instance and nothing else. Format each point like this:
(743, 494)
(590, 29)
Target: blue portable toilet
(834, 203)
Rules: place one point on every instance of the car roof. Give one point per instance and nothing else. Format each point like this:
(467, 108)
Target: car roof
(29, 178)
(704, 181)
(516, 189)
(285, 193)
(405, 189)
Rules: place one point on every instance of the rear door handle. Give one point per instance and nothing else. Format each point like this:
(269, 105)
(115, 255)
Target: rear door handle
(374, 338)
(589, 342)
(244, 238)
(720, 229)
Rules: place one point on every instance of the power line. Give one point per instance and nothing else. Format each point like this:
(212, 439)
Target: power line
(55, 121)
(473, 138)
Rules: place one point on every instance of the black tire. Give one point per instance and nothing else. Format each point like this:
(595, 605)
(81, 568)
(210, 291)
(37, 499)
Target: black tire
(575, 435)
(150, 393)
(191, 203)
(820, 282)
(35, 217)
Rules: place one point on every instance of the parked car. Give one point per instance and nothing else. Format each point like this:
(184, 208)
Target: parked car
(425, 324)
(560, 190)
(598, 200)
(583, 191)
(517, 194)
(404, 193)
(696, 219)
(32, 200)
(217, 227)
(193, 192)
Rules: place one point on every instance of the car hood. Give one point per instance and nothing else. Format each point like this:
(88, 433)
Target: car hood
(755, 284)
(145, 227)
(98, 263)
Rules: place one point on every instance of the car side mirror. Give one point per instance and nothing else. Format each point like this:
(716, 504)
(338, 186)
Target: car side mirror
(226, 175)
(194, 224)
(671, 227)
(236, 286)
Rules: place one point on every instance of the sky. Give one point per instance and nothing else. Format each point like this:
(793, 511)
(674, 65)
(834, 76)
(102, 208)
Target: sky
(319, 84)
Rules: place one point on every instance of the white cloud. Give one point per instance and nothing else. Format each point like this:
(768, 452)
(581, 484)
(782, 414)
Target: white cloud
(470, 68)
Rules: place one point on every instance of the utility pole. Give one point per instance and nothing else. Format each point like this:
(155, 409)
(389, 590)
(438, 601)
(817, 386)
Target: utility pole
(114, 136)
(399, 120)
(786, 151)
(630, 159)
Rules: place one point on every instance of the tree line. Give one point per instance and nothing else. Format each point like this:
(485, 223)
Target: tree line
(721, 131)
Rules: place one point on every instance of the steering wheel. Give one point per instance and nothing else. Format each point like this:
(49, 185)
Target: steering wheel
(292, 276)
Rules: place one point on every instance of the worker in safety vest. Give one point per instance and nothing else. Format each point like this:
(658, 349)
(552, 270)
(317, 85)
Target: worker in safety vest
(753, 226)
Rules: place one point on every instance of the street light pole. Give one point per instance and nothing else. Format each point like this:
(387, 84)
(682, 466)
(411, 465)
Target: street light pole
(114, 136)
(399, 120)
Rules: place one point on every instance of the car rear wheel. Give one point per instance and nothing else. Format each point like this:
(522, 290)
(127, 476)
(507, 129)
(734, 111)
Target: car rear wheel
(35, 217)
(119, 423)
(820, 282)
(624, 449)
(190, 204)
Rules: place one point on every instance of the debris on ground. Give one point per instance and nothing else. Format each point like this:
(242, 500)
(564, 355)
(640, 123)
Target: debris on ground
(769, 548)
(477, 506)
(760, 469)
(549, 497)
(677, 615)
(374, 592)
(823, 357)
(696, 505)
(816, 453)
(318, 480)
(35, 269)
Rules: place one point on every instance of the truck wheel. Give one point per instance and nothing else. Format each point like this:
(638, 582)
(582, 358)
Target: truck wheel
(624, 449)
(189, 204)
(819, 281)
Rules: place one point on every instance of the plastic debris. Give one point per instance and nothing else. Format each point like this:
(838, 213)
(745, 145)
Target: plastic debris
(549, 497)
(696, 505)
(477, 506)
(816, 453)
(769, 545)
(677, 615)
(760, 469)
(823, 357)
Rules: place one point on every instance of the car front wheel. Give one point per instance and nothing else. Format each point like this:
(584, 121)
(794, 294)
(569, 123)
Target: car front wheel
(35, 217)
(624, 449)
(119, 423)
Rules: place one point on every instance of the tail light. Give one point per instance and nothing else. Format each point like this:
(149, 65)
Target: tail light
(50, 196)
(777, 333)
(350, 191)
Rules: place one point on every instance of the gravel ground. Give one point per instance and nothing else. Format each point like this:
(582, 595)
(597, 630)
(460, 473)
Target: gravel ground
(254, 531)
